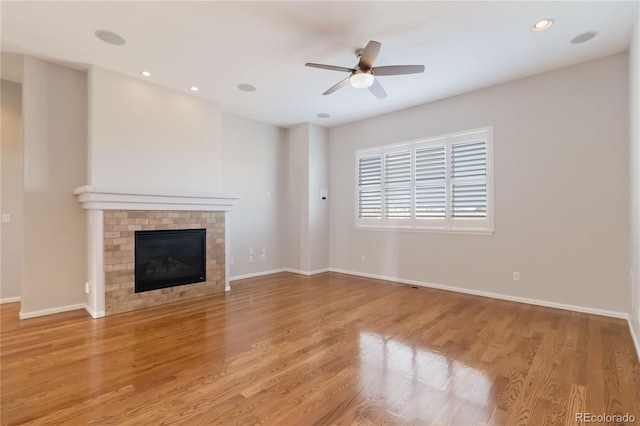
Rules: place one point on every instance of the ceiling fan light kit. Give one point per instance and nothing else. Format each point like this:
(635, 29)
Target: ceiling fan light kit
(363, 75)
(361, 79)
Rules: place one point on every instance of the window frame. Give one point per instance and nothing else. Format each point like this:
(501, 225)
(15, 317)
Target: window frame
(484, 226)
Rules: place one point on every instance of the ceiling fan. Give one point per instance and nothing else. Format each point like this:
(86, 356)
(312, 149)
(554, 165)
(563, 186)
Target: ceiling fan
(364, 74)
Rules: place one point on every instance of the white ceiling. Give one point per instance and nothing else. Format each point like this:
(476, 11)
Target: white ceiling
(217, 45)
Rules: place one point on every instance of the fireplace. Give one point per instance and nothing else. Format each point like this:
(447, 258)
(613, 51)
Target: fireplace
(168, 258)
(114, 217)
(122, 229)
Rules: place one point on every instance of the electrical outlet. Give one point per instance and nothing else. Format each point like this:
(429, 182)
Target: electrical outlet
(516, 276)
(263, 257)
(264, 249)
(6, 218)
(268, 194)
(250, 259)
(251, 251)
(364, 258)
(232, 261)
(87, 287)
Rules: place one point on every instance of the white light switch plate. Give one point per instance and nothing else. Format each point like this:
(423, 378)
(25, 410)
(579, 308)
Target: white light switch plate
(6, 218)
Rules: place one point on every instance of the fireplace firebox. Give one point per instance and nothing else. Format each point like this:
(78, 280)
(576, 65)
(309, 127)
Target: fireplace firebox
(169, 258)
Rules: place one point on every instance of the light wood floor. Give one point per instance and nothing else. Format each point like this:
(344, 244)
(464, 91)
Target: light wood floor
(330, 349)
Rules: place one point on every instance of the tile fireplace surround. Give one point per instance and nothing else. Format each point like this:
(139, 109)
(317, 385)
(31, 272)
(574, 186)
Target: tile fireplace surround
(114, 216)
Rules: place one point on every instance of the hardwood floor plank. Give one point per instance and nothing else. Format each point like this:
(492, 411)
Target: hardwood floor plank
(328, 349)
(577, 404)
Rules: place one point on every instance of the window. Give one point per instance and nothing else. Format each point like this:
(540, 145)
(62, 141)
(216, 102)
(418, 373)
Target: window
(442, 183)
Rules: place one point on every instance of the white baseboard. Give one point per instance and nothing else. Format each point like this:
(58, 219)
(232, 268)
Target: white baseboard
(26, 315)
(634, 337)
(256, 274)
(308, 273)
(10, 300)
(94, 314)
(275, 271)
(582, 309)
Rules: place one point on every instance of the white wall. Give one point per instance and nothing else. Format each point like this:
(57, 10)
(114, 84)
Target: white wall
(318, 208)
(307, 214)
(561, 191)
(634, 98)
(12, 200)
(147, 137)
(297, 232)
(255, 168)
(11, 67)
(55, 138)
(11, 71)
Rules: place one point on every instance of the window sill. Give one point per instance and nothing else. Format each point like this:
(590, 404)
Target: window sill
(428, 230)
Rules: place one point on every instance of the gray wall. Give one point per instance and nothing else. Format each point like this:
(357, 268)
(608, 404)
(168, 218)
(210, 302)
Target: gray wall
(634, 138)
(12, 190)
(297, 211)
(11, 65)
(318, 208)
(55, 157)
(147, 137)
(307, 214)
(561, 191)
(254, 168)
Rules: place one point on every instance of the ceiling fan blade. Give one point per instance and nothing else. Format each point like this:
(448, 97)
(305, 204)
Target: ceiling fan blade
(377, 89)
(337, 86)
(369, 55)
(398, 69)
(329, 67)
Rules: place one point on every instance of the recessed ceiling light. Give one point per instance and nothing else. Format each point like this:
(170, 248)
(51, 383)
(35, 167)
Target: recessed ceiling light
(193, 88)
(246, 87)
(584, 37)
(111, 38)
(542, 24)
(323, 115)
(145, 73)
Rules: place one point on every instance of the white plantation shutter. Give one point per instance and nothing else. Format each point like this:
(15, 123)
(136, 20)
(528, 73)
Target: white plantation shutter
(370, 186)
(442, 183)
(397, 184)
(430, 182)
(469, 180)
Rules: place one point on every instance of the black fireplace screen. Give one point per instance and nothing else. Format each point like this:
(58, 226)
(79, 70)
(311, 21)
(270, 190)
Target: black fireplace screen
(169, 258)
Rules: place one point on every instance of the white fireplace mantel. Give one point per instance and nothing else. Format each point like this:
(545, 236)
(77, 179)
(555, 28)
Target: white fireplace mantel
(93, 198)
(97, 200)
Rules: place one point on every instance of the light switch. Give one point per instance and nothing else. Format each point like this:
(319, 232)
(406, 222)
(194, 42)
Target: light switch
(6, 218)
